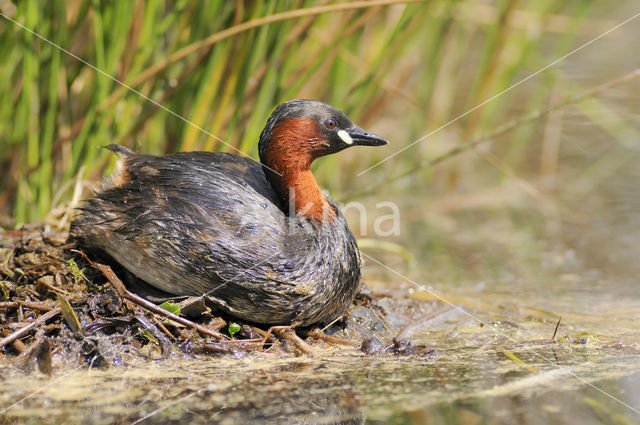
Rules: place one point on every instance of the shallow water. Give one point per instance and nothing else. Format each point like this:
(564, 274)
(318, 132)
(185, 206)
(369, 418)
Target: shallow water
(497, 366)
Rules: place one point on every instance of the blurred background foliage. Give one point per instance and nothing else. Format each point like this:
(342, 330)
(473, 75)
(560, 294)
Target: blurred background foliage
(215, 70)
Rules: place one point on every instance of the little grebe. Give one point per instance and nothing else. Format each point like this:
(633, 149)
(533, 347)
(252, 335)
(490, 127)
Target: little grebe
(262, 242)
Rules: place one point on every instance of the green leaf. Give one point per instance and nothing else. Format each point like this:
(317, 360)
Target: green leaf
(233, 329)
(171, 308)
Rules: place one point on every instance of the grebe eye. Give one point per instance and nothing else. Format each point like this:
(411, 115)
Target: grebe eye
(330, 123)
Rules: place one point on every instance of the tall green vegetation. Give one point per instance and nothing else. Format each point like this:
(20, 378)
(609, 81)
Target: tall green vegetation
(401, 69)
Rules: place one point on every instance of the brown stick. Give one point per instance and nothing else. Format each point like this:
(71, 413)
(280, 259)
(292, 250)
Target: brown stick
(555, 331)
(22, 331)
(124, 293)
(287, 332)
(330, 339)
(35, 306)
(17, 344)
(162, 327)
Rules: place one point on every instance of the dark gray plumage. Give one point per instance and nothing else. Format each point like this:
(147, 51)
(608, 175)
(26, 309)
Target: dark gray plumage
(211, 223)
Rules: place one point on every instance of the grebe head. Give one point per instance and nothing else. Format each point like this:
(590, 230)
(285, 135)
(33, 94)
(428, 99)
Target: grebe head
(302, 130)
(298, 132)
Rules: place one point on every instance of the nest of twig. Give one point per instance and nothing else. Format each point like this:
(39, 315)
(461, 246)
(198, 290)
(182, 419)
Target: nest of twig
(62, 307)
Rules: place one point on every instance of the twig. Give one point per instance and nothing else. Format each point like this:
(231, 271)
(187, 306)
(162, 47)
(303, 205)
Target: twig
(553, 338)
(231, 346)
(124, 293)
(17, 344)
(330, 339)
(35, 306)
(162, 327)
(287, 332)
(22, 331)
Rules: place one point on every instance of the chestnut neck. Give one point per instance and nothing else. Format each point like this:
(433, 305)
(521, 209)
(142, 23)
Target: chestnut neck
(295, 143)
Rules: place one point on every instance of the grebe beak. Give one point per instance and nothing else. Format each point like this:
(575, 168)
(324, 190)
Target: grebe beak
(362, 138)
